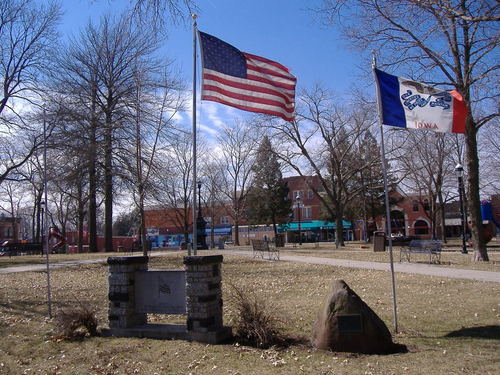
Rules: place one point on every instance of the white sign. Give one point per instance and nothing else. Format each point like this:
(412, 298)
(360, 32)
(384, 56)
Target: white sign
(152, 231)
(160, 292)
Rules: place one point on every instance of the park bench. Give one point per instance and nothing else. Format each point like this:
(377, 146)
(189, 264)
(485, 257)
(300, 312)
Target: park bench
(261, 248)
(429, 247)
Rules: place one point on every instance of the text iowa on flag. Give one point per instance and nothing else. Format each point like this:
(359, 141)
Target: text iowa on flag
(245, 81)
(411, 104)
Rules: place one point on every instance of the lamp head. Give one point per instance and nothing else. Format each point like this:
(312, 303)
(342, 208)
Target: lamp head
(459, 170)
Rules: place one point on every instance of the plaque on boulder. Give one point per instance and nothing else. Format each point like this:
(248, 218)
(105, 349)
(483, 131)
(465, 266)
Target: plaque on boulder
(346, 323)
(161, 292)
(350, 323)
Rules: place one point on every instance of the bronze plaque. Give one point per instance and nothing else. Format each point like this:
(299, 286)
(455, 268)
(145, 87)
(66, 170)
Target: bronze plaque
(160, 292)
(350, 323)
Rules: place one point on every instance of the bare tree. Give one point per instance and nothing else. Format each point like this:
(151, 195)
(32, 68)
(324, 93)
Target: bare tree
(490, 159)
(323, 142)
(99, 84)
(174, 182)
(212, 193)
(27, 32)
(158, 11)
(237, 144)
(152, 111)
(452, 42)
(427, 161)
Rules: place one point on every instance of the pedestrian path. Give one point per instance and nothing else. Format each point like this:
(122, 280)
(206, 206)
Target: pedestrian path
(43, 267)
(420, 269)
(413, 268)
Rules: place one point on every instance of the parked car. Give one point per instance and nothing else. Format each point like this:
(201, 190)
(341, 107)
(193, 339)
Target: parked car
(228, 242)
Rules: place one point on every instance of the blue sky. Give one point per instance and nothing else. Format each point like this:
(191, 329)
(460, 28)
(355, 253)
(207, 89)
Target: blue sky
(281, 30)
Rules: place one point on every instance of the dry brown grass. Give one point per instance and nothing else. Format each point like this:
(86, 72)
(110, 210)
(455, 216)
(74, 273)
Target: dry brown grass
(450, 326)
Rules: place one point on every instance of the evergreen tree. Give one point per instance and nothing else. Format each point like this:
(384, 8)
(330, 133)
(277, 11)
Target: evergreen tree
(267, 199)
(371, 202)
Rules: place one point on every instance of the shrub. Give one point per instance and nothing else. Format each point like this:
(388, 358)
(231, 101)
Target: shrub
(254, 323)
(76, 323)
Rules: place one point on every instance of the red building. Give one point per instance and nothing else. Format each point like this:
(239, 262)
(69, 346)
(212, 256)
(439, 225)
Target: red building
(409, 217)
(9, 229)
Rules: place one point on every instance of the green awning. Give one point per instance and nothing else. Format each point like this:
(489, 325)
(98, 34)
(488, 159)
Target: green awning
(310, 225)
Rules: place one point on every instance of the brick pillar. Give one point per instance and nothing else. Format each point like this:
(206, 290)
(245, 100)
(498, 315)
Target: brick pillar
(204, 299)
(121, 281)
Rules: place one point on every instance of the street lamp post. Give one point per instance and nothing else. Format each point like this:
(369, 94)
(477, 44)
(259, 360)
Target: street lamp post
(200, 225)
(459, 171)
(298, 199)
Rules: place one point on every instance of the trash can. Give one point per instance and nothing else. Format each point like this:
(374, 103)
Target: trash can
(379, 241)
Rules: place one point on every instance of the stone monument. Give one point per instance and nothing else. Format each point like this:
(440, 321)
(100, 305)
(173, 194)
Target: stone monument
(346, 323)
(135, 291)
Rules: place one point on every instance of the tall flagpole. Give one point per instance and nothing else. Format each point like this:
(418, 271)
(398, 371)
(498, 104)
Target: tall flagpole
(386, 191)
(195, 236)
(45, 232)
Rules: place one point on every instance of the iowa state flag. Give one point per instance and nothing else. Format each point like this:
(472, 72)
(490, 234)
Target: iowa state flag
(410, 104)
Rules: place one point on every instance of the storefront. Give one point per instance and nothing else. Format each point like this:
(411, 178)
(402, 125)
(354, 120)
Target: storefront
(169, 237)
(314, 231)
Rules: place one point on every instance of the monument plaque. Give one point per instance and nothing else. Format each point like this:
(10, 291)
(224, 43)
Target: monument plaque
(161, 291)
(350, 323)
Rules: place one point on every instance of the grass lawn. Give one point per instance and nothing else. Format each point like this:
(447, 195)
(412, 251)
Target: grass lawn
(450, 326)
(24, 260)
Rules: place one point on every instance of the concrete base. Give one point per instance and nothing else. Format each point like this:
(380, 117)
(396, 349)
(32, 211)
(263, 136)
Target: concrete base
(213, 337)
(170, 332)
(151, 331)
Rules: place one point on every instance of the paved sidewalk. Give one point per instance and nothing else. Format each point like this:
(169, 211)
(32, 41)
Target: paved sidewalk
(414, 268)
(421, 269)
(43, 267)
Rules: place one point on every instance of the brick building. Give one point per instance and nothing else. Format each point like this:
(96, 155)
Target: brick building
(165, 225)
(10, 228)
(409, 217)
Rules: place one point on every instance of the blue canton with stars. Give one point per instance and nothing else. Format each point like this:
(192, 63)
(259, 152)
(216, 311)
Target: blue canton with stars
(222, 57)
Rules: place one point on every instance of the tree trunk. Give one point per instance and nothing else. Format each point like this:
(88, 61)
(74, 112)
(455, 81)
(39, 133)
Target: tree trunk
(80, 220)
(442, 216)
(92, 211)
(236, 232)
(339, 225)
(144, 239)
(38, 208)
(108, 186)
(472, 160)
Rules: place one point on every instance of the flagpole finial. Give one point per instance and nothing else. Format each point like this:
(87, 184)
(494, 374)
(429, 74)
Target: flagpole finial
(374, 59)
(194, 16)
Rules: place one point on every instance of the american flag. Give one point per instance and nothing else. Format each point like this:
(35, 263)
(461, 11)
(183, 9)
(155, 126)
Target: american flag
(245, 81)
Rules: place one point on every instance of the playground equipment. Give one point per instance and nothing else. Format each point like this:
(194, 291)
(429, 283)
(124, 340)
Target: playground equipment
(54, 233)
